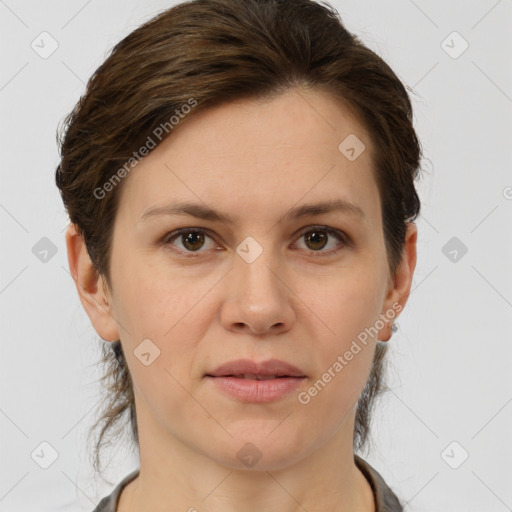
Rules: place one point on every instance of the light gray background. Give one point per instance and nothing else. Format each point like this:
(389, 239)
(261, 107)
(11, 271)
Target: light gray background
(450, 361)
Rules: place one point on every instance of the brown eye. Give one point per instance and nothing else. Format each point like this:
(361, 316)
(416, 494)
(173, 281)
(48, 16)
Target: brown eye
(316, 238)
(191, 239)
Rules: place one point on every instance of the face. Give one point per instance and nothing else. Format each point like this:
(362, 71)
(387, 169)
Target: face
(268, 279)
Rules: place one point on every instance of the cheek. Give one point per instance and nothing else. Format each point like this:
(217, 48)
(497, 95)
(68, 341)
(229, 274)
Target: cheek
(156, 300)
(161, 306)
(335, 389)
(347, 302)
(152, 308)
(349, 306)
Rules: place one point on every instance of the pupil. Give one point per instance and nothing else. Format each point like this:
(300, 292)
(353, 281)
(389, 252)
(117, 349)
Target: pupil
(314, 237)
(190, 238)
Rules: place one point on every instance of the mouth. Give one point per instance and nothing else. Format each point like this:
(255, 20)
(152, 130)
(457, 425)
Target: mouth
(253, 376)
(252, 370)
(249, 381)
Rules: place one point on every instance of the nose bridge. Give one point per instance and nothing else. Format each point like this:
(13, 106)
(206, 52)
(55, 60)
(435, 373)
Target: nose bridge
(258, 263)
(256, 297)
(257, 300)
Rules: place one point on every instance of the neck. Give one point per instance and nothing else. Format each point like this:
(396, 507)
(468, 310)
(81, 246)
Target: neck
(180, 478)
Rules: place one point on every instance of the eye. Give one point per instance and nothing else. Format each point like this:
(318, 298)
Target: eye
(192, 239)
(317, 238)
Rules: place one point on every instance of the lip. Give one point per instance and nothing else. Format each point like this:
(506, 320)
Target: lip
(248, 390)
(287, 378)
(248, 366)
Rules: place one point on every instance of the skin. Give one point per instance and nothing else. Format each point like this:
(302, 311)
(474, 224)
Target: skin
(297, 302)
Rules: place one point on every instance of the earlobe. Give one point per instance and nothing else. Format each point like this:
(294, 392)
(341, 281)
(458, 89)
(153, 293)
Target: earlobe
(400, 288)
(91, 287)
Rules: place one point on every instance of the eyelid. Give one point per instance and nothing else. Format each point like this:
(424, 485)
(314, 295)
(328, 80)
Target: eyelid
(345, 240)
(173, 235)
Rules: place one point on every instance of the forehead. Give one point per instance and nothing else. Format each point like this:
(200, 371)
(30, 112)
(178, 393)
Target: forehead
(260, 156)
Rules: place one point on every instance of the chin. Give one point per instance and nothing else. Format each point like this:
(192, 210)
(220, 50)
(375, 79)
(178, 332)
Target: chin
(259, 449)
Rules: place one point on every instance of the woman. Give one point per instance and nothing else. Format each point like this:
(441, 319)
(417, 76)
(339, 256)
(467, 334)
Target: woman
(239, 178)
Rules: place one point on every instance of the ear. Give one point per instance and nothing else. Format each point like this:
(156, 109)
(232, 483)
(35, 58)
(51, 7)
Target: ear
(91, 287)
(400, 287)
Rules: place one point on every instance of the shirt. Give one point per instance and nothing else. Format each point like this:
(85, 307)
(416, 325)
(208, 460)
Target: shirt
(385, 499)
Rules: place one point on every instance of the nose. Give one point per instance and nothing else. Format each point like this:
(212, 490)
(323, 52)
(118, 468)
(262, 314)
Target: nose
(257, 301)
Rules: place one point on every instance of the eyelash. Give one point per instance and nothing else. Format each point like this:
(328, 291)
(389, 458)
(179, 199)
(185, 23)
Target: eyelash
(342, 237)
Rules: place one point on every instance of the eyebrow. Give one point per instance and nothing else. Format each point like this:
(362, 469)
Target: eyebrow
(203, 211)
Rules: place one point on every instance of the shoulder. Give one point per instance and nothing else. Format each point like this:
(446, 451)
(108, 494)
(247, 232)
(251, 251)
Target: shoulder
(109, 503)
(385, 499)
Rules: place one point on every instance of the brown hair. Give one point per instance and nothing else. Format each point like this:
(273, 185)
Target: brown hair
(215, 51)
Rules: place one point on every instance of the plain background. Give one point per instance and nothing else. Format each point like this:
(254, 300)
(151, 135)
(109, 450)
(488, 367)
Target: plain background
(449, 370)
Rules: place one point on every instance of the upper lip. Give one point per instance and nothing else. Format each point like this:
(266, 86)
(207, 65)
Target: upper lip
(248, 366)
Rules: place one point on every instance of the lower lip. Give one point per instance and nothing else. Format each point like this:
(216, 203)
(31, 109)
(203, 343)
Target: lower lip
(248, 390)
